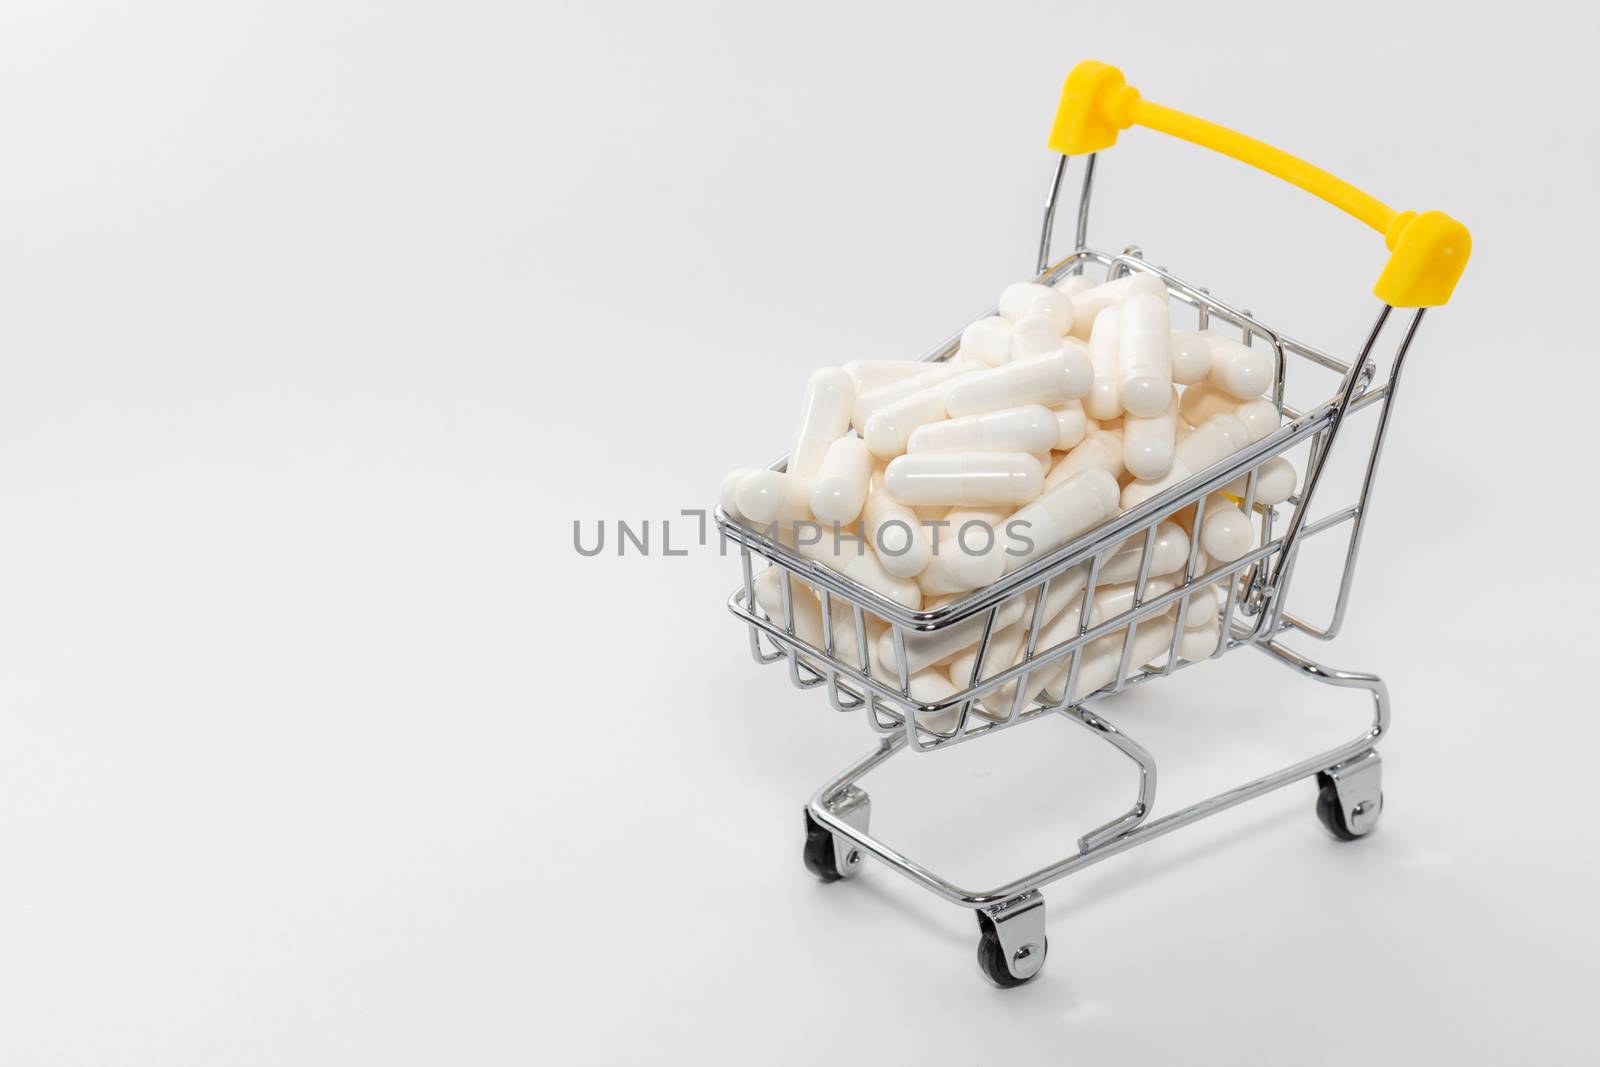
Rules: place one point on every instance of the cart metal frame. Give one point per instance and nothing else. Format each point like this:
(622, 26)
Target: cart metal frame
(1011, 916)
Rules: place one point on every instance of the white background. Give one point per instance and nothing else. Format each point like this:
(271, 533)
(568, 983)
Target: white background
(321, 322)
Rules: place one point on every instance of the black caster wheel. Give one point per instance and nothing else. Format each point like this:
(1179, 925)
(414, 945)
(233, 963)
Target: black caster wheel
(992, 957)
(819, 854)
(1331, 813)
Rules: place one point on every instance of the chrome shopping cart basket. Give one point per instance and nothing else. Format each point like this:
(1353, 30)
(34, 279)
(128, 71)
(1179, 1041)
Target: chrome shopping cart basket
(1427, 255)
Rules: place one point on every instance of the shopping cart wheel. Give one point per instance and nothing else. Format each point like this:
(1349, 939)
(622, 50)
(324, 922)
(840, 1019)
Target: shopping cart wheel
(819, 852)
(831, 857)
(1350, 797)
(1011, 942)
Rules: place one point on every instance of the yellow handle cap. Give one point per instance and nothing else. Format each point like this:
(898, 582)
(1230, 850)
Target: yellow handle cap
(1096, 105)
(1428, 252)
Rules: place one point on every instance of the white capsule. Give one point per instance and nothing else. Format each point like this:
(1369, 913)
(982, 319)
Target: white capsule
(840, 487)
(1184, 517)
(1049, 380)
(1242, 370)
(965, 479)
(1260, 418)
(1080, 503)
(768, 496)
(1061, 627)
(824, 418)
(1032, 337)
(1007, 641)
(870, 374)
(1073, 284)
(1025, 299)
(969, 546)
(884, 395)
(769, 592)
(1091, 302)
(1101, 658)
(924, 650)
(926, 686)
(1110, 601)
(809, 627)
(931, 685)
(1167, 556)
(1100, 449)
(1232, 535)
(1144, 355)
(1218, 589)
(935, 687)
(1200, 402)
(889, 428)
(804, 618)
(1104, 401)
(1220, 437)
(1148, 444)
(1059, 622)
(1202, 609)
(988, 341)
(895, 532)
(1071, 424)
(728, 492)
(1025, 429)
(1274, 484)
(805, 611)
(847, 552)
(1191, 357)
(846, 645)
(1226, 533)
(1199, 642)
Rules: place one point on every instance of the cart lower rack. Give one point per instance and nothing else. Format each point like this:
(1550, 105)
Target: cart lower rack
(1250, 593)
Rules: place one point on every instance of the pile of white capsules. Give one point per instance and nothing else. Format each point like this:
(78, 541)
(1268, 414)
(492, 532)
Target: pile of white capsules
(1051, 418)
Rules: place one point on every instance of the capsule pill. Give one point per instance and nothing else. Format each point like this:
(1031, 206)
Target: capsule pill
(1144, 354)
(964, 479)
(870, 374)
(1091, 302)
(894, 531)
(1078, 504)
(1100, 449)
(1048, 380)
(889, 429)
(1242, 370)
(771, 496)
(987, 341)
(1024, 299)
(824, 418)
(934, 374)
(1104, 401)
(1191, 357)
(969, 549)
(1148, 444)
(840, 487)
(1071, 425)
(1029, 428)
(1034, 336)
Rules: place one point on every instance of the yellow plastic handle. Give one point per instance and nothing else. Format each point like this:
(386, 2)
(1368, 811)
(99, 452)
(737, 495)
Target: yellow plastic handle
(1427, 252)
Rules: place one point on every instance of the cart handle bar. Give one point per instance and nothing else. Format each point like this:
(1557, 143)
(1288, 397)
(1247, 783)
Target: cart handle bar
(1428, 252)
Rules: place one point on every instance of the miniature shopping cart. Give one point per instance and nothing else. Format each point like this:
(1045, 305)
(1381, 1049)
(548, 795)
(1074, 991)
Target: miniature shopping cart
(1427, 255)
